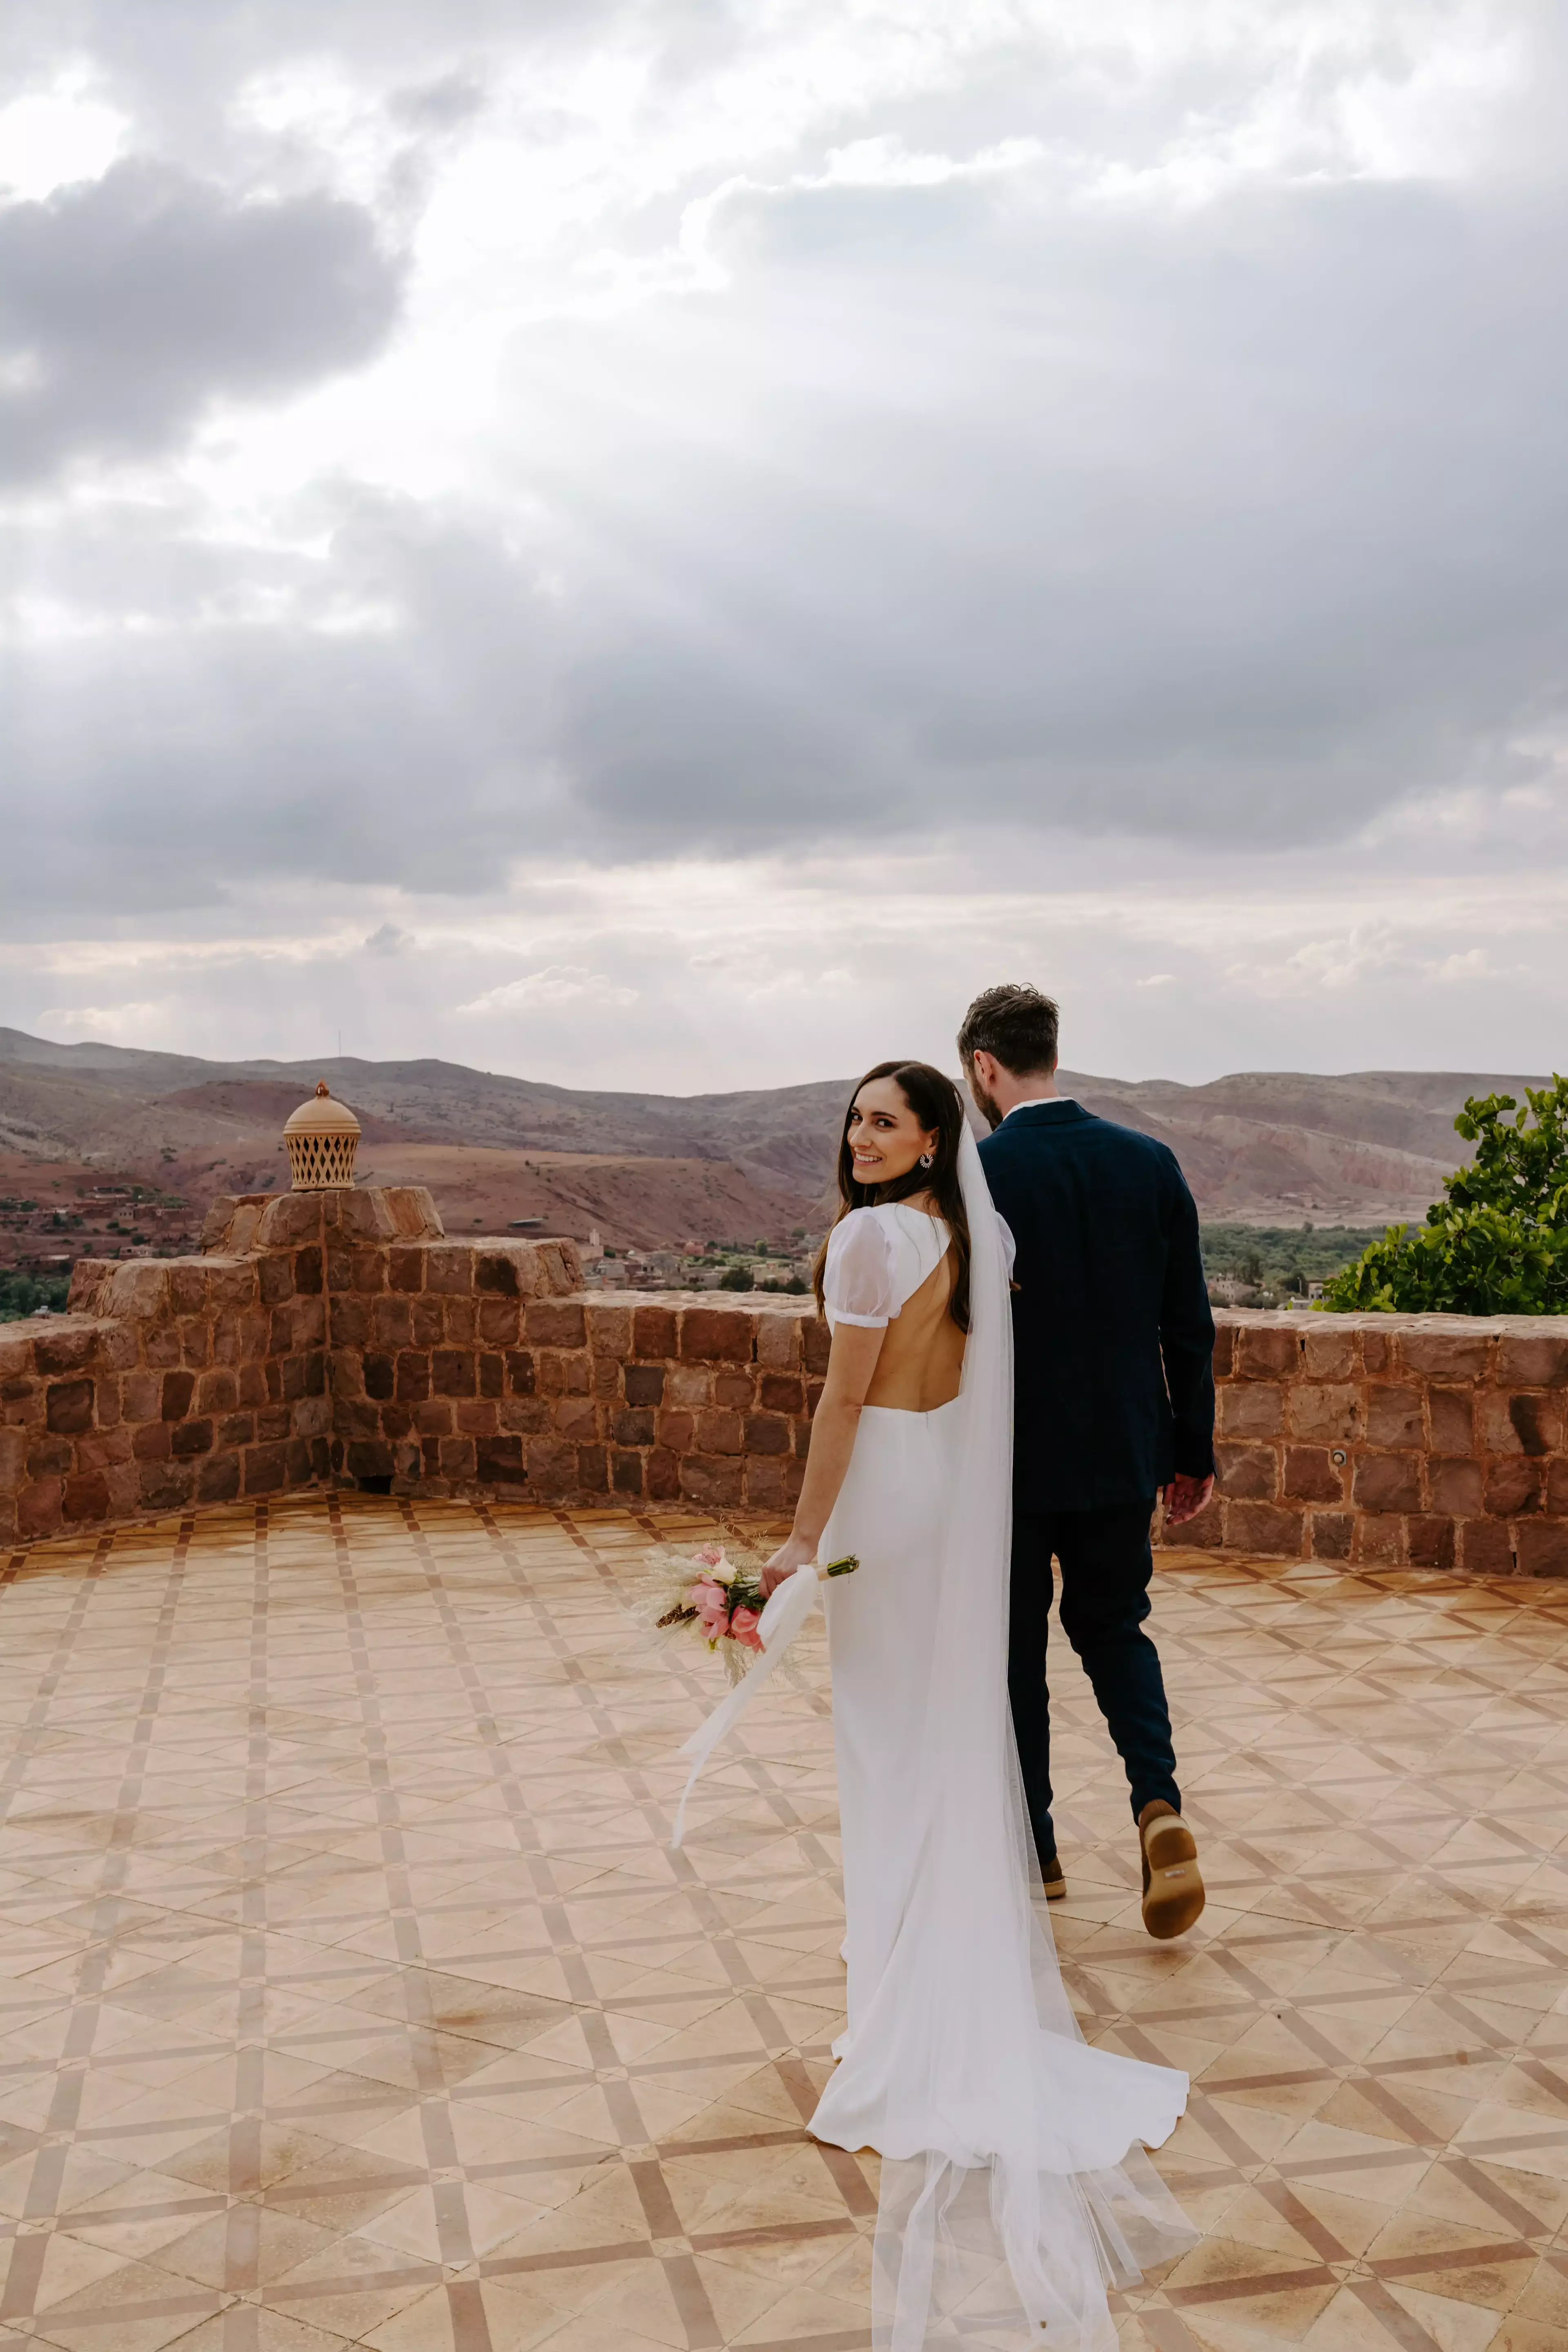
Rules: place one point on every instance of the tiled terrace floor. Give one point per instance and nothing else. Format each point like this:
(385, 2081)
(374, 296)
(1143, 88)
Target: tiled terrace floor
(352, 1994)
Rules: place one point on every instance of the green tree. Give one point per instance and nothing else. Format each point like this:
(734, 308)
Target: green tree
(738, 1278)
(1497, 1244)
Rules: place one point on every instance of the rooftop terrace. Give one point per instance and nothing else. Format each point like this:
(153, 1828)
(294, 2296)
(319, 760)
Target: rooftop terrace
(352, 1995)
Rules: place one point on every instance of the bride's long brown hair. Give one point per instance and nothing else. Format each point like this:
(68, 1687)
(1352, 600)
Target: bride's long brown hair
(937, 1104)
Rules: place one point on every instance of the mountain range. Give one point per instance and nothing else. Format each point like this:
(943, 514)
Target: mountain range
(1262, 1147)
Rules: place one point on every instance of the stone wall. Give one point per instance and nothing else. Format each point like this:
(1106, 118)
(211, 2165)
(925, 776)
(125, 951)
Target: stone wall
(1420, 1441)
(342, 1337)
(193, 1381)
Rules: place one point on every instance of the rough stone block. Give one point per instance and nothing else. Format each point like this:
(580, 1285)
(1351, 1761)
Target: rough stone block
(610, 1328)
(1330, 1534)
(663, 1475)
(778, 1342)
(556, 1323)
(1484, 1549)
(1387, 1482)
(453, 1372)
(85, 1496)
(492, 1375)
(1313, 1475)
(677, 1430)
(38, 1508)
(734, 1388)
(497, 1461)
(459, 1457)
(626, 1473)
(766, 1485)
(781, 1392)
(405, 1270)
(1513, 1488)
(1267, 1528)
(1449, 1352)
(1380, 1540)
(1376, 1352)
(644, 1383)
(190, 1437)
(1224, 1347)
(69, 1408)
(1451, 1418)
(551, 1465)
(1248, 1473)
(1394, 1417)
(815, 1341)
(716, 1335)
(577, 1417)
(459, 1321)
(593, 1470)
(499, 1323)
(704, 1479)
(413, 1376)
(48, 1456)
(719, 1433)
(1457, 1487)
(519, 1371)
(766, 1433)
(1251, 1409)
(633, 1427)
(1541, 1547)
(1328, 1354)
(527, 1416)
(449, 1268)
(1533, 1359)
(1265, 1352)
(1537, 1423)
(1429, 1542)
(67, 1345)
(217, 1479)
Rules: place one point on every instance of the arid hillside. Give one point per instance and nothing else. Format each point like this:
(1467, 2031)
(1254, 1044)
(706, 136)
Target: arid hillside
(1269, 1146)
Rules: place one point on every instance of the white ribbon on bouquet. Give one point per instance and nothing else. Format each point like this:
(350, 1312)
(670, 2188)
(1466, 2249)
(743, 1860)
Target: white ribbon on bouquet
(784, 1615)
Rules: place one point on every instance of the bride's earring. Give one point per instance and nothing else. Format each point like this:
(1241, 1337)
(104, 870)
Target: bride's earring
(928, 1159)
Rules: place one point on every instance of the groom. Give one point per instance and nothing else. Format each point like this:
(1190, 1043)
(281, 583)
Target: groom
(1114, 1406)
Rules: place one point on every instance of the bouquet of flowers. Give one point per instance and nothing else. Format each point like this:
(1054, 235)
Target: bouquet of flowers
(724, 1602)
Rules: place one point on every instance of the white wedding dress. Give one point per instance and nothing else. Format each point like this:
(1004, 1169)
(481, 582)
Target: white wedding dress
(1013, 2185)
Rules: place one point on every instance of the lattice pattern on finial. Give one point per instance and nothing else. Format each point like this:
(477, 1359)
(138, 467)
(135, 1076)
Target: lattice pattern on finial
(324, 1163)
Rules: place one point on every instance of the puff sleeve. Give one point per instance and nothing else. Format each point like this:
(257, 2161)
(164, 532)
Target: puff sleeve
(857, 1279)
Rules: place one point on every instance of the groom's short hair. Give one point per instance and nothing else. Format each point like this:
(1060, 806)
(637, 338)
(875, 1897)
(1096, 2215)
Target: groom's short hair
(1016, 1024)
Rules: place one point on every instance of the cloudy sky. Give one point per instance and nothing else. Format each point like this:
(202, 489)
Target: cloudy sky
(666, 543)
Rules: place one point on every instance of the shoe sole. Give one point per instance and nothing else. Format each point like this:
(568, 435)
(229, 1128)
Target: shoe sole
(1172, 1883)
(1055, 1888)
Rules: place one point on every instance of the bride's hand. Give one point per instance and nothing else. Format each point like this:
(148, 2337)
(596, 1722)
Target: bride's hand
(792, 1554)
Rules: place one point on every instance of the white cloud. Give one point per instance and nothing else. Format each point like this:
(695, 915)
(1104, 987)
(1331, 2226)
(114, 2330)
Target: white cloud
(549, 988)
(53, 136)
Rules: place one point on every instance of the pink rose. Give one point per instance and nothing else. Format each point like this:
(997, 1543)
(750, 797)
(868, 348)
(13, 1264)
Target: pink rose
(712, 1603)
(743, 1627)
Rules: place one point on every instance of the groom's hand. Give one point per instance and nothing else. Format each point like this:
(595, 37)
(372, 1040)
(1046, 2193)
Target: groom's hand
(1185, 1497)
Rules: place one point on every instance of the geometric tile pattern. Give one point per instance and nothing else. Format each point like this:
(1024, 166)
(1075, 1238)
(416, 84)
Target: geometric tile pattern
(351, 1993)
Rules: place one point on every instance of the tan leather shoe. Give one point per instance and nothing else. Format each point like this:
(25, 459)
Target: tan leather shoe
(1053, 1880)
(1172, 1883)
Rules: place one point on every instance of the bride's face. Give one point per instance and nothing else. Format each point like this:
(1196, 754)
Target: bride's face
(886, 1139)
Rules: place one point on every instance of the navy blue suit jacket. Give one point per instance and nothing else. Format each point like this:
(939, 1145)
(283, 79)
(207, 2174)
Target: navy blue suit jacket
(1115, 1340)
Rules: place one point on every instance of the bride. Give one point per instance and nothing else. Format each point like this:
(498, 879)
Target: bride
(1012, 2187)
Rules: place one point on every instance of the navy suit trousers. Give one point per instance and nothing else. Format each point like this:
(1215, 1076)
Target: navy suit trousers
(1106, 1563)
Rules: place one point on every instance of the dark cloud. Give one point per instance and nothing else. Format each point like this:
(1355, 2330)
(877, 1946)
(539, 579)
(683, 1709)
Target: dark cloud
(128, 303)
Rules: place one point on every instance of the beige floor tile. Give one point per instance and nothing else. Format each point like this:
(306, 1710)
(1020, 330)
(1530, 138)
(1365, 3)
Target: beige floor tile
(391, 1983)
